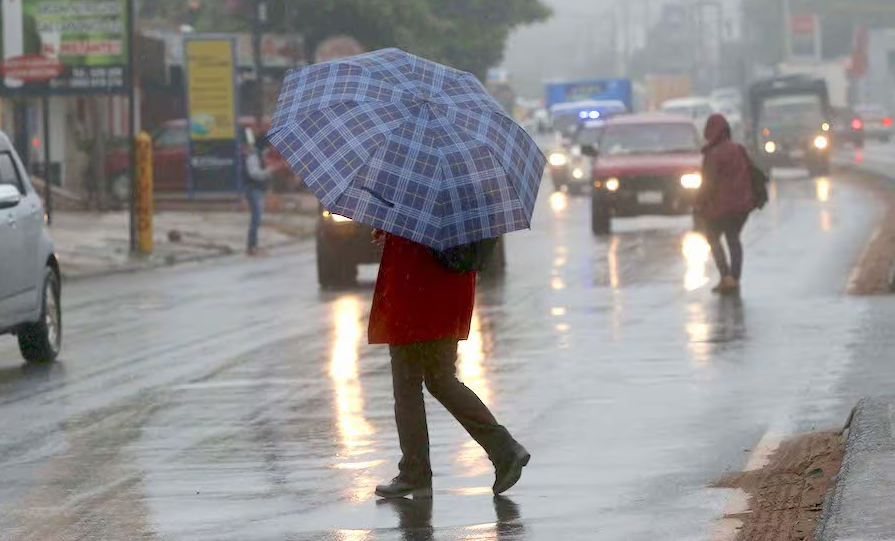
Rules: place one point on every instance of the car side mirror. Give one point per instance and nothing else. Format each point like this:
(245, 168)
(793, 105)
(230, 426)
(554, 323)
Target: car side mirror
(590, 151)
(9, 196)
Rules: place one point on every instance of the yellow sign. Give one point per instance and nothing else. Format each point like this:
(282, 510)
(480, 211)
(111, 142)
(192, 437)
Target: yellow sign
(211, 88)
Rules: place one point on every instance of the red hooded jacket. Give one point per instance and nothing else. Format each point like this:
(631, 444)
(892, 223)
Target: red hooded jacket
(726, 173)
(417, 299)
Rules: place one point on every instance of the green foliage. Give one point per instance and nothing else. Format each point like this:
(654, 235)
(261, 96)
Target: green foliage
(467, 34)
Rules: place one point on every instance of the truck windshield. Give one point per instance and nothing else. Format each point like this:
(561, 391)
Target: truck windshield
(797, 110)
(649, 139)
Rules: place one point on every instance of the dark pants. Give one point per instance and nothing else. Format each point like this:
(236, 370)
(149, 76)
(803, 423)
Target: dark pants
(255, 197)
(729, 226)
(435, 363)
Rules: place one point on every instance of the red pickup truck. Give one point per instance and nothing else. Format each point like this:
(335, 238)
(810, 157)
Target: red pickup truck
(169, 158)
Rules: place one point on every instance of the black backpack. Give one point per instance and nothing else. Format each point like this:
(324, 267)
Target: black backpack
(759, 183)
(472, 257)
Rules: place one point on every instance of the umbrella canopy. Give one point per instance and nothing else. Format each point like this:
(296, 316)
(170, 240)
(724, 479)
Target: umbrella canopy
(409, 146)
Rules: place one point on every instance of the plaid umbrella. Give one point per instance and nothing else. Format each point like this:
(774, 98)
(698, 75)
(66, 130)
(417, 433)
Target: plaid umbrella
(411, 147)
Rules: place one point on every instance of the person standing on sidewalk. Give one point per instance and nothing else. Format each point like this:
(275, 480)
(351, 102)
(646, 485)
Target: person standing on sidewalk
(422, 309)
(725, 200)
(257, 177)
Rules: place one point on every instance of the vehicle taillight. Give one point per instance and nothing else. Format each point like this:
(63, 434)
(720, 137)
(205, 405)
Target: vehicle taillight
(887, 122)
(856, 124)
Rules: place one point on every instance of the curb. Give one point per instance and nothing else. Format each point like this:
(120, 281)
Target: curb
(861, 504)
(137, 267)
(888, 180)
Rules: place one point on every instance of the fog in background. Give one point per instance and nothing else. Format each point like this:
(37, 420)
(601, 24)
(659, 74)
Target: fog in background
(577, 41)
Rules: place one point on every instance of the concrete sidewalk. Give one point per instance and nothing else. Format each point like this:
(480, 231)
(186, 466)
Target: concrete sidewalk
(92, 244)
(861, 505)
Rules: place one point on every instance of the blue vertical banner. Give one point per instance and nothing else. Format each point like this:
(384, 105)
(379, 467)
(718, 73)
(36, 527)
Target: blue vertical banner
(215, 158)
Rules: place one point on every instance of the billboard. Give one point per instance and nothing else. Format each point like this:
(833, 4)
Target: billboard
(51, 47)
(214, 161)
(805, 37)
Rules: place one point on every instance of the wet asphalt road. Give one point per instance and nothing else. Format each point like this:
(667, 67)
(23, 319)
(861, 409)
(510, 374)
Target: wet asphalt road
(233, 400)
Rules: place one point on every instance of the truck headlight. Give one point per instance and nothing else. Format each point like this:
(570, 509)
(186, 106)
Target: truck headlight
(558, 159)
(578, 173)
(613, 184)
(770, 147)
(821, 142)
(691, 181)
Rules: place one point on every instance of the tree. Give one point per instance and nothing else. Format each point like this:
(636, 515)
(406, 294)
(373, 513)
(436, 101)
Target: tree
(467, 34)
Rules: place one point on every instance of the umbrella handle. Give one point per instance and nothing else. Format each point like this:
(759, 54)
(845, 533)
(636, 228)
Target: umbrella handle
(379, 198)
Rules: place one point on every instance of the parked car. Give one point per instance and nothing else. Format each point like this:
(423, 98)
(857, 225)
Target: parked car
(848, 128)
(30, 280)
(170, 153)
(343, 245)
(877, 122)
(645, 164)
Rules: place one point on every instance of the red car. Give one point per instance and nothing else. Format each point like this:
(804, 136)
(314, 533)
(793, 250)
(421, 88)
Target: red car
(169, 158)
(644, 164)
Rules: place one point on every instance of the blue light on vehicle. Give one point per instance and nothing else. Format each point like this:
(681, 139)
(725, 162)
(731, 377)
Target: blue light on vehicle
(594, 115)
(582, 114)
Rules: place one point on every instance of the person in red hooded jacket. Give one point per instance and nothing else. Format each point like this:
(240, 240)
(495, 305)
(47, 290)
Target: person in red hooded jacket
(421, 309)
(725, 199)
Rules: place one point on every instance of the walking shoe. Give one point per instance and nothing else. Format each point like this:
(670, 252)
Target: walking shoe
(507, 472)
(727, 285)
(731, 287)
(400, 488)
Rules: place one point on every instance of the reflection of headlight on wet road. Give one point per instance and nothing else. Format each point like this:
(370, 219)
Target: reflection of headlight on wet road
(558, 159)
(821, 142)
(558, 201)
(612, 184)
(770, 147)
(823, 190)
(696, 253)
(691, 181)
(578, 173)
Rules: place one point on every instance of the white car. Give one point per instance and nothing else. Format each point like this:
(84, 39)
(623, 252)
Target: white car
(30, 285)
(699, 109)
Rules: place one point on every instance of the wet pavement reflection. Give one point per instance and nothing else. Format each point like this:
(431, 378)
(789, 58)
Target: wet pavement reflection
(235, 401)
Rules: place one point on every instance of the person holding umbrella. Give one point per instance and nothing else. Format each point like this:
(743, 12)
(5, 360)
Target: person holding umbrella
(422, 153)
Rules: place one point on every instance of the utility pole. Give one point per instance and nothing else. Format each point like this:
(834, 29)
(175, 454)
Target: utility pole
(132, 95)
(258, 26)
(787, 30)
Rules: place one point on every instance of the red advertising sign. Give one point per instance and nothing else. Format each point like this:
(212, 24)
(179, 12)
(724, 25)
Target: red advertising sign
(32, 68)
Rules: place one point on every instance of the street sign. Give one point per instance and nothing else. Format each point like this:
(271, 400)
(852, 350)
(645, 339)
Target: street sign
(214, 158)
(57, 47)
(805, 37)
(31, 68)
